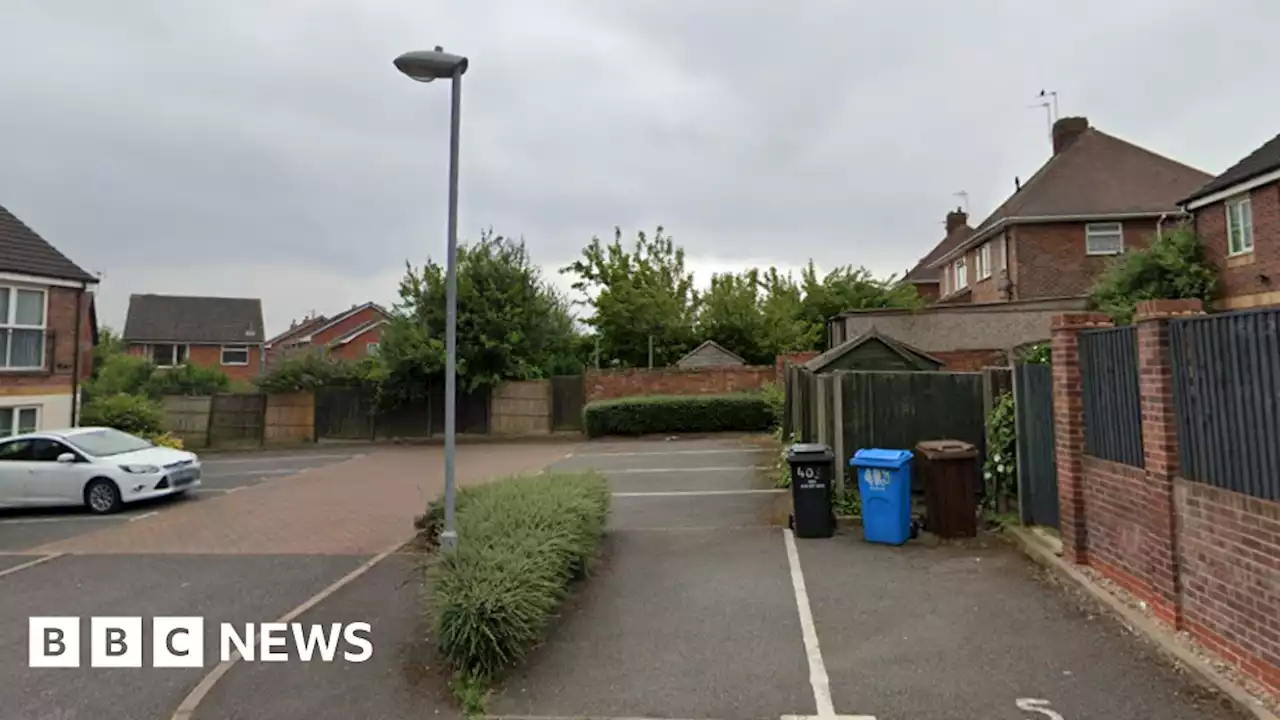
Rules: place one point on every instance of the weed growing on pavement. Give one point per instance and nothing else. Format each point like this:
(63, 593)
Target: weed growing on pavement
(471, 692)
(522, 541)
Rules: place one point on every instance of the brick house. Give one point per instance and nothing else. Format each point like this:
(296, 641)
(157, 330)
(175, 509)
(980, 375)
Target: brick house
(926, 278)
(1237, 218)
(349, 335)
(1096, 196)
(172, 330)
(47, 331)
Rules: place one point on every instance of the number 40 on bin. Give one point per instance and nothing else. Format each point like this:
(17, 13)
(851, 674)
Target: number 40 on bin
(875, 478)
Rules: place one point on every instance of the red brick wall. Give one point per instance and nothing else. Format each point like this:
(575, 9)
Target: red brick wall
(781, 361)
(1240, 275)
(970, 360)
(1230, 568)
(609, 384)
(1051, 259)
(928, 291)
(340, 329)
(211, 356)
(358, 348)
(60, 352)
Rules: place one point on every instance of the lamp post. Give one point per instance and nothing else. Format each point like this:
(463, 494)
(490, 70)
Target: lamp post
(425, 66)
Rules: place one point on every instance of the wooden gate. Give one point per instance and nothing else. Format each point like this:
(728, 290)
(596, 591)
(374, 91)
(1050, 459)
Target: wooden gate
(568, 395)
(1037, 456)
(344, 413)
(237, 419)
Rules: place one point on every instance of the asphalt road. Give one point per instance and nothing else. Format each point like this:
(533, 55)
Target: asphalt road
(23, 529)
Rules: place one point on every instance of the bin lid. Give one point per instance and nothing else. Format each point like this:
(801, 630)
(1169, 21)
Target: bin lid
(811, 452)
(947, 449)
(879, 458)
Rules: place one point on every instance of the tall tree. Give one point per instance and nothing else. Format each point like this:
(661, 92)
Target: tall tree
(637, 294)
(732, 313)
(847, 288)
(512, 324)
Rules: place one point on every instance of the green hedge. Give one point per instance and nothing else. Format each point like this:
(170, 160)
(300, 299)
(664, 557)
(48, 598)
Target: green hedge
(683, 413)
(135, 414)
(522, 541)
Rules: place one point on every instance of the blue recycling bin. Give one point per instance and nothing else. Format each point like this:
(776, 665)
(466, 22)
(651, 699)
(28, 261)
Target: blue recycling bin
(884, 481)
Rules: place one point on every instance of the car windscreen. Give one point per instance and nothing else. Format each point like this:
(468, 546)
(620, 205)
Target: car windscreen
(107, 442)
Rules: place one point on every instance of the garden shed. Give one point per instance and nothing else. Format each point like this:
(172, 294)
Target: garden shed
(873, 350)
(710, 354)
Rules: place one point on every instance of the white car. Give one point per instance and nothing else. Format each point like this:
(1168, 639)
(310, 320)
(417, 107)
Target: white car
(100, 468)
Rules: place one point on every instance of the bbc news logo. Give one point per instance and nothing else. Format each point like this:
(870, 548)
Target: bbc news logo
(178, 642)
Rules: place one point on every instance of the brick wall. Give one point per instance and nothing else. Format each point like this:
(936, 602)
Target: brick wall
(1051, 258)
(609, 384)
(780, 362)
(970, 360)
(1205, 559)
(211, 356)
(1242, 284)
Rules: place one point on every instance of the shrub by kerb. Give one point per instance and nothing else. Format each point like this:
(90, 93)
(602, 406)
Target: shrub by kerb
(523, 540)
(682, 413)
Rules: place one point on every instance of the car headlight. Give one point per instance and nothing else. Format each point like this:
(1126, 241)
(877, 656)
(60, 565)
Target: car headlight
(140, 469)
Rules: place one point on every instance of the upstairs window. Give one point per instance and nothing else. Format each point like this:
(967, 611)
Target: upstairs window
(22, 328)
(1103, 239)
(984, 261)
(235, 355)
(1240, 226)
(962, 274)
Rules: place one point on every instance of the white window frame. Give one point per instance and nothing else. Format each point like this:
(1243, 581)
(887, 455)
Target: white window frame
(8, 325)
(17, 411)
(962, 273)
(984, 261)
(371, 348)
(1103, 230)
(173, 354)
(1240, 208)
(222, 355)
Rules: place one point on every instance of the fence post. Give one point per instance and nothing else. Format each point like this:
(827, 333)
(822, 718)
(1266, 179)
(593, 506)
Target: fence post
(1068, 422)
(821, 401)
(837, 417)
(1160, 449)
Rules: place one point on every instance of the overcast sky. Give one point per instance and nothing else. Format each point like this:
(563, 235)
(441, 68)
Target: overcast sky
(268, 148)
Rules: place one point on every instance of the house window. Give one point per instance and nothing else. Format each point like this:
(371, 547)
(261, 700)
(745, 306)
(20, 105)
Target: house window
(168, 355)
(19, 420)
(984, 261)
(22, 328)
(962, 275)
(235, 355)
(1103, 239)
(371, 348)
(1240, 226)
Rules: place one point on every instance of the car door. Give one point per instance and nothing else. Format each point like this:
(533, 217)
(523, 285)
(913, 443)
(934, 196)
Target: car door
(15, 471)
(51, 482)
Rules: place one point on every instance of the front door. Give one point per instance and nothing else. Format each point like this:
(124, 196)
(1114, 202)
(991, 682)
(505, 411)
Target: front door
(52, 482)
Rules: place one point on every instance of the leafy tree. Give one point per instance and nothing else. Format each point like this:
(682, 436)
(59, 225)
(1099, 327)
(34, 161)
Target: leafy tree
(847, 288)
(313, 370)
(1173, 267)
(119, 373)
(186, 379)
(636, 294)
(732, 314)
(110, 345)
(512, 324)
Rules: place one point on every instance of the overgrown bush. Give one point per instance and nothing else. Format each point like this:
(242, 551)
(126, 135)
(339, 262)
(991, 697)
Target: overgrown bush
(167, 439)
(523, 541)
(776, 398)
(1001, 469)
(119, 373)
(135, 414)
(672, 414)
(1173, 267)
(186, 380)
(312, 370)
(1038, 354)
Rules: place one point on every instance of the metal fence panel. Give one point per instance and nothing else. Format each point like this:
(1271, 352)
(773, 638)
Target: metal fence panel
(1112, 403)
(1226, 372)
(1037, 453)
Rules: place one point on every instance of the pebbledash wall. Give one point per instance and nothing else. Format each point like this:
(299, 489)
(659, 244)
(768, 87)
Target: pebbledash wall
(1205, 559)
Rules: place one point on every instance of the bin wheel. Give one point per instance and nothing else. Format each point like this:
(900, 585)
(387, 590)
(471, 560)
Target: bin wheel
(915, 530)
(791, 523)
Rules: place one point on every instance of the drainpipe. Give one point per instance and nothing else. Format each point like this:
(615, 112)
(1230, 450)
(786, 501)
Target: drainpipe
(1160, 226)
(75, 358)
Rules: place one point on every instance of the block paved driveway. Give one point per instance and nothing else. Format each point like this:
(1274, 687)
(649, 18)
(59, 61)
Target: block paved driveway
(696, 614)
(274, 530)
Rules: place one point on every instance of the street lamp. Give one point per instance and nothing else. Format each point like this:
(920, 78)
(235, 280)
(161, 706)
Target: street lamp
(425, 66)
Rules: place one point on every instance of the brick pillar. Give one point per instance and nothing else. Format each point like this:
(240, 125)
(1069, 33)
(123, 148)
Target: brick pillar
(1068, 427)
(1158, 517)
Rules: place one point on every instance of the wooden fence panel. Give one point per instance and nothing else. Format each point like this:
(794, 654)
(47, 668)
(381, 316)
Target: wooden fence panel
(344, 413)
(521, 408)
(290, 418)
(568, 396)
(1226, 371)
(188, 418)
(1112, 404)
(237, 419)
(896, 410)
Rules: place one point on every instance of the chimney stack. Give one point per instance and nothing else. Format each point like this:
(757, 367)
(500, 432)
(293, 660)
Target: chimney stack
(1066, 131)
(956, 219)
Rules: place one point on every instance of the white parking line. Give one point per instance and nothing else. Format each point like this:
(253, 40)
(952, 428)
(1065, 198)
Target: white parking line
(691, 493)
(67, 518)
(144, 515)
(737, 451)
(33, 563)
(255, 473)
(817, 668)
(214, 460)
(724, 468)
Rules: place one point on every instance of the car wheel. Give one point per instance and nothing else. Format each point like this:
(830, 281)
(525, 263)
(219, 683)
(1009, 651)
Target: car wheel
(102, 497)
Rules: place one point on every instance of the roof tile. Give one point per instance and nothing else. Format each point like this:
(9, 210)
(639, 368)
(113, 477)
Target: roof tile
(24, 251)
(189, 319)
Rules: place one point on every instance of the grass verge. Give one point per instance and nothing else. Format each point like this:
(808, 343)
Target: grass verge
(522, 541)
